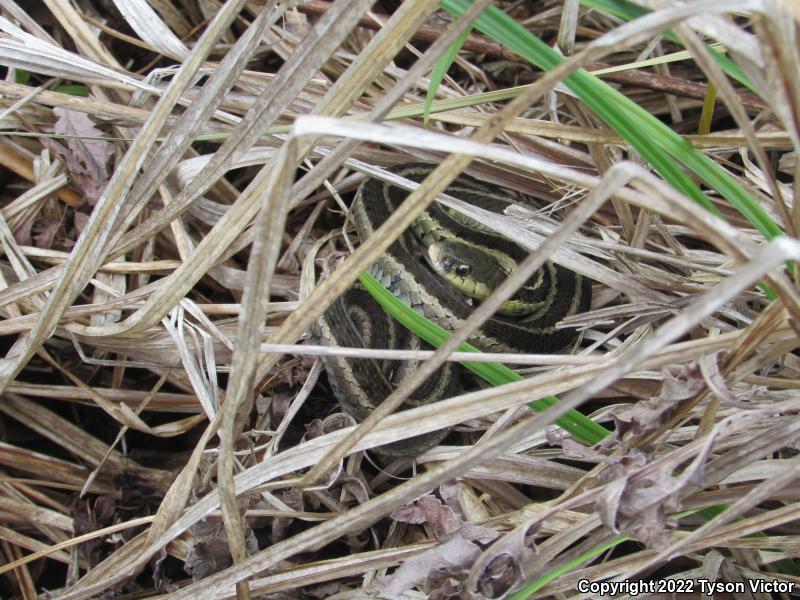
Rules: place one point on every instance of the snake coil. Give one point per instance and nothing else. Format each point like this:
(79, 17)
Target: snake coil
(357, 320)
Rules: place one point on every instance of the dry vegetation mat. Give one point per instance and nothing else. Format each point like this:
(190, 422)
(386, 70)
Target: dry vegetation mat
(178, 194)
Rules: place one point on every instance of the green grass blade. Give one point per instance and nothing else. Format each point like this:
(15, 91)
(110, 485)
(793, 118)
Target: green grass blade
(440, 70)
(21, 76)
(538, 583)
(574, 422)
(656, 142)
(77, 89)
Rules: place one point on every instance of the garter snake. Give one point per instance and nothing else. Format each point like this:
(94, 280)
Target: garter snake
(440, 267)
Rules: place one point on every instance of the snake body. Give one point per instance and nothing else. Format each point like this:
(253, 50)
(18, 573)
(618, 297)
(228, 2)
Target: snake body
(357, 320)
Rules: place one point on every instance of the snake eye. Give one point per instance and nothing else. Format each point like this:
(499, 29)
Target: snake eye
(463, 270)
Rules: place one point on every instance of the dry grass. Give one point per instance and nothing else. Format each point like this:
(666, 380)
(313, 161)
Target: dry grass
(165, 428)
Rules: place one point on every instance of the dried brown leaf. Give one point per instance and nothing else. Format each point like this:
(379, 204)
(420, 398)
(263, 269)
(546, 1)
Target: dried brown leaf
(87, 159)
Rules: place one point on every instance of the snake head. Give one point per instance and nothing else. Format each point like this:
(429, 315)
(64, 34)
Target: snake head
(476, 271)
(466, 267)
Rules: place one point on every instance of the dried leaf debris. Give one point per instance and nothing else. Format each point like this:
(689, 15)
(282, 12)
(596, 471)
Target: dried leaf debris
(174, 188)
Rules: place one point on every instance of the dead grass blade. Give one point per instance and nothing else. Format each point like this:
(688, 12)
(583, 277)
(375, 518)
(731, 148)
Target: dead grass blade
(174, 179)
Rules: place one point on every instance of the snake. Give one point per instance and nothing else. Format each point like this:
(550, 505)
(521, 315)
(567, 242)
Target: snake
(442, 266)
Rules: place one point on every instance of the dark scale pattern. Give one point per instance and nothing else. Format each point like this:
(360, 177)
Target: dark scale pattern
(360, 384)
